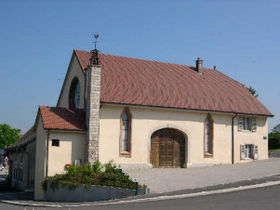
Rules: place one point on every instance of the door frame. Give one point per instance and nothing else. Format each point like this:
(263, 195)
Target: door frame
(184, 131)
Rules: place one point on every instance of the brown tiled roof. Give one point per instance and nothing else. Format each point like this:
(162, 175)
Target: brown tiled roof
(151, 83)
(62, 118)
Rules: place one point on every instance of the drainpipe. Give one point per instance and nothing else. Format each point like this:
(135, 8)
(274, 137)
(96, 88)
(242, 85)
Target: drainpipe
(232, 138)
(47, 153)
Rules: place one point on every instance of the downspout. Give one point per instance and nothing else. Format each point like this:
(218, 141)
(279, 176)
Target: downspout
(232, 138)
(47, 154)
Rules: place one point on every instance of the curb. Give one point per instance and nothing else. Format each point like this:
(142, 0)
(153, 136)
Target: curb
(149, 199)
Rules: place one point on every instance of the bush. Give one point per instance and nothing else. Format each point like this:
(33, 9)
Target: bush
(96, 174)
(274, 140)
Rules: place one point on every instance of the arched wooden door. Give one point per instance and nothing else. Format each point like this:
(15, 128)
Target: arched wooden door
(168, 148)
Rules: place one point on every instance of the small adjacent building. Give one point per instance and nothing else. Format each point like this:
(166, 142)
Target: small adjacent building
(140, 113)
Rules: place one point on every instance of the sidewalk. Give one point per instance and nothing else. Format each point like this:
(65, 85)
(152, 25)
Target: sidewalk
(162, 180)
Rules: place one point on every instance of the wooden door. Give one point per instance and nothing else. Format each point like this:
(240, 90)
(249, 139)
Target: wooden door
(155, 152)
(167, 148)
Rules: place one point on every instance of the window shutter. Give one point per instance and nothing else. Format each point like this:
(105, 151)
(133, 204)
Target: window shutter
(254, 124)
(256, 152)
(240, 123)
(242, 152)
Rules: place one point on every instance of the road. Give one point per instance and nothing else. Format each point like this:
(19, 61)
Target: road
(257, 199)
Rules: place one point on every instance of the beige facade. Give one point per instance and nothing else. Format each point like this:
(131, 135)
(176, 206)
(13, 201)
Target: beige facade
(74, 70)
(145, 121)
(51, 160)
(259, 138)
(71, 150)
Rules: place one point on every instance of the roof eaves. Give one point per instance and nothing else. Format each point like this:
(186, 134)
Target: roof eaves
(201, 110)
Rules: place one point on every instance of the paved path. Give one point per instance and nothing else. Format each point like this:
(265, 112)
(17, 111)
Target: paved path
(166, 179)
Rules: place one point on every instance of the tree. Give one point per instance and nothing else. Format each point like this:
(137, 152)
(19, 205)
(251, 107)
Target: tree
(274, 138)
(276, 129)
(8, 135)
(253, 91)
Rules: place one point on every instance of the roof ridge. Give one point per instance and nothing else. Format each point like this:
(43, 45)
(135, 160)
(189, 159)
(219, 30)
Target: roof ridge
(141, 59)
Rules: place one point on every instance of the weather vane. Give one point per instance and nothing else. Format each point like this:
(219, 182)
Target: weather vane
(96, 37)
(94, 59)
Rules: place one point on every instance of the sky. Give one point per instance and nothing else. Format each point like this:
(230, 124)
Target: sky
(37, 38)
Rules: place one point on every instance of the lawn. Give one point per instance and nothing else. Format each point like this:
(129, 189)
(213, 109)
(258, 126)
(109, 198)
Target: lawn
(273, 150)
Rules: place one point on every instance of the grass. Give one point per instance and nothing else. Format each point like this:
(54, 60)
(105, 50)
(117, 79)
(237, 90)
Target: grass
(273, 150)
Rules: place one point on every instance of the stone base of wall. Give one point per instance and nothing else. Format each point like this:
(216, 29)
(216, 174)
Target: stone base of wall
(94, 193)
(197, 165)
(134, 165)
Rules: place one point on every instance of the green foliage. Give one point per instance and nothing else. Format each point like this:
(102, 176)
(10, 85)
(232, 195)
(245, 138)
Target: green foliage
(97, 167)
(8, 135)
(96, 174)
(253, 91)
(274, 138)
(276, 129)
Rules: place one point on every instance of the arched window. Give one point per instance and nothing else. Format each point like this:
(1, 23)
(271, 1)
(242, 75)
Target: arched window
(208, 136)
(125, 133)
(74, 94)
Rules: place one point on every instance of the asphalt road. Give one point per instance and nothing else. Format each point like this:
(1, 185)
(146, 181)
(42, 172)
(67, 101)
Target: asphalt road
(257, 199)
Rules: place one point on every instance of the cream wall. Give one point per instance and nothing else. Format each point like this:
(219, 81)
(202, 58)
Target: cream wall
(74, 70)
(40, 163)
(256, 138)
(71, 148)
(147, 120)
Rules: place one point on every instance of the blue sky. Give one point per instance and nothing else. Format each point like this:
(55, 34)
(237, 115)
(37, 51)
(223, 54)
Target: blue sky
(37, 38)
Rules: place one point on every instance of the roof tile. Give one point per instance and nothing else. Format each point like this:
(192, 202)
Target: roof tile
(62, 118)
(151, 83)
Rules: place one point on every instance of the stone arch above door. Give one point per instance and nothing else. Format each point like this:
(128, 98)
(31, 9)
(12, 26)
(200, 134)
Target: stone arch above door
(168, 148)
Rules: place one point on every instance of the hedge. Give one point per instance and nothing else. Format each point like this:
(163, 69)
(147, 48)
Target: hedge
(96, 174)
(274, 140)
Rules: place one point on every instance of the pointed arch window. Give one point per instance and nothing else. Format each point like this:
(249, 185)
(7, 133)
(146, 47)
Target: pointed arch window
(208, 136)
(74, 94)
(125, 137)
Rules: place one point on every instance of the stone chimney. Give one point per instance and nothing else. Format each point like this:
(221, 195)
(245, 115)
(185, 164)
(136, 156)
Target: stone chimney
(93, 80)
(199, 65)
